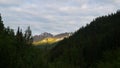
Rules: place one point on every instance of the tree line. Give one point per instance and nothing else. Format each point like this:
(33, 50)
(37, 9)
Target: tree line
(16, 50)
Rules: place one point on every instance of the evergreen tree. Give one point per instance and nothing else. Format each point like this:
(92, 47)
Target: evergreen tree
(19, 35)
(28, 36)
(1, 24)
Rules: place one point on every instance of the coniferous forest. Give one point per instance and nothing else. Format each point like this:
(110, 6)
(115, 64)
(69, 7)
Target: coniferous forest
(97, 45)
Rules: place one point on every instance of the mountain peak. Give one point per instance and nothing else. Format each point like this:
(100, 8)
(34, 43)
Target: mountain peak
(45, 35)
(42, 36)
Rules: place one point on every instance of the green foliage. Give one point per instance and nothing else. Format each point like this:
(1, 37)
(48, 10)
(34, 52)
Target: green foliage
(111, 59)
(86, 47)
(16, 51)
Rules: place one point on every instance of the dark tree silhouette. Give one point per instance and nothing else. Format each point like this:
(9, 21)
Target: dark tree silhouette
(28, 36)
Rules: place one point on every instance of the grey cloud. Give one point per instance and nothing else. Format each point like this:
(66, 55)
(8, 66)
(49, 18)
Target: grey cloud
(54, 16)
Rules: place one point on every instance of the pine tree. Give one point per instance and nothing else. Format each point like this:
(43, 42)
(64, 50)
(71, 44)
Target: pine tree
(28, 36)
(19, 35)
(1, 24)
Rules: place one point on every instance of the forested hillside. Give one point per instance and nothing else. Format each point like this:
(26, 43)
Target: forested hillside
(94, 46)
(97, 45)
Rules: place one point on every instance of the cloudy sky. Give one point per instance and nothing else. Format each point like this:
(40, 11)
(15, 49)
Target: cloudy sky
(54, 16)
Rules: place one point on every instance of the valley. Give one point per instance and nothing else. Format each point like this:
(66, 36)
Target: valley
(96, 45)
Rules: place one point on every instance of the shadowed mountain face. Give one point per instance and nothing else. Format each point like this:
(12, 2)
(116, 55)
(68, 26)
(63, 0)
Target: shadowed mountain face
(94, 46)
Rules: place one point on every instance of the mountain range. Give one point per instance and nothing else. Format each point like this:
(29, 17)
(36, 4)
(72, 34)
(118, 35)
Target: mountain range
(48, 38)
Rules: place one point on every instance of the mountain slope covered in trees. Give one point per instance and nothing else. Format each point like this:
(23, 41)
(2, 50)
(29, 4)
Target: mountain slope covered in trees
(90, 45)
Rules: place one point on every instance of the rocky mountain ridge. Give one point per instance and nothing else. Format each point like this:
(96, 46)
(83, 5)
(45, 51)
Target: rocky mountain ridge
(49, 35)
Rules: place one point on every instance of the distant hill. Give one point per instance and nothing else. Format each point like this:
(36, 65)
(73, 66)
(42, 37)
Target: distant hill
(48, 38)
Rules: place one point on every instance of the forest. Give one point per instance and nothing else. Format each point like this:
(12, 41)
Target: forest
(97, 45)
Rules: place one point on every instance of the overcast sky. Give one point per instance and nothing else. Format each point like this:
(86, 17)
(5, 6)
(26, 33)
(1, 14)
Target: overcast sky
(54, 16)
